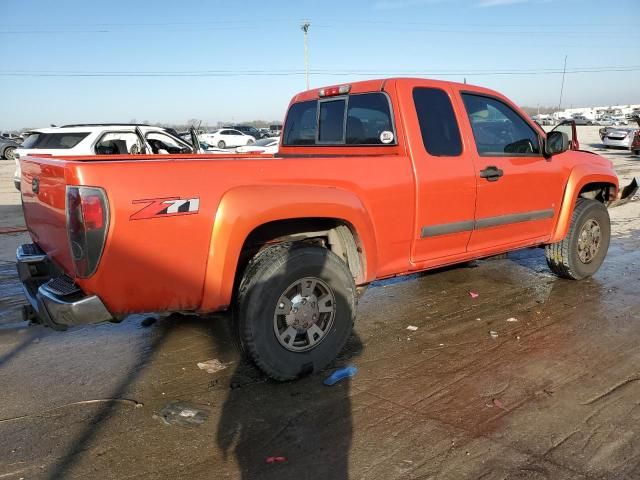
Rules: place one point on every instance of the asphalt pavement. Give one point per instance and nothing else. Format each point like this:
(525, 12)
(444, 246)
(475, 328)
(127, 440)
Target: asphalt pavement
(534, 378)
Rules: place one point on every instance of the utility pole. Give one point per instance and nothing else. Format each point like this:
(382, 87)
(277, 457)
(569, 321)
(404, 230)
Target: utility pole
(564, 71)
(305, 28)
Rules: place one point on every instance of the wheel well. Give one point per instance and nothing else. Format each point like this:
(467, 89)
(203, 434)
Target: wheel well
(603, 192)
(335, 234)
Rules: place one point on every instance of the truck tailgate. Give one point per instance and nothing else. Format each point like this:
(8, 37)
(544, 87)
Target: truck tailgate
(43, 187)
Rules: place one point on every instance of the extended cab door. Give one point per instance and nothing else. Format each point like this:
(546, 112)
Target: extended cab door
(444, 174)
(519, 190)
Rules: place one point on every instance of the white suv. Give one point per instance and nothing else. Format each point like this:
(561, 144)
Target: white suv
(98, 139)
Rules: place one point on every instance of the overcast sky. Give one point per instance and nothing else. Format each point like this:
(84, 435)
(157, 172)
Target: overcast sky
(170, 61)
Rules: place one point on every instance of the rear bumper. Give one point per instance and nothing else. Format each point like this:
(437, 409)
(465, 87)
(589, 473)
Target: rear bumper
(620, 143)
(56, 300)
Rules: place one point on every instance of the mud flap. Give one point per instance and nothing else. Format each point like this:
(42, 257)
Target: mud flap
(626, 194)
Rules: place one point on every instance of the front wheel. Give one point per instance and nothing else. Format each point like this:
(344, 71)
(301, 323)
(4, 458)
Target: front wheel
(581, 253)
(221, 144)
(295, 309)
(9, 153)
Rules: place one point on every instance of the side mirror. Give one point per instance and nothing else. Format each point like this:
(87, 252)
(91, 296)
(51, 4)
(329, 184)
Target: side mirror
(557, 142)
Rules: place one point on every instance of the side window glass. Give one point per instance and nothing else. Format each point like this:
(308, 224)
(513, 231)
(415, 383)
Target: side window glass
(331, 121)
(118, 143)
(300, 128)
(498, 129)
(438, 125)
(368, 116)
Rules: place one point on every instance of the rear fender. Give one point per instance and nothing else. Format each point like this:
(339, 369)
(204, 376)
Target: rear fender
(243, 209)
(580, 176)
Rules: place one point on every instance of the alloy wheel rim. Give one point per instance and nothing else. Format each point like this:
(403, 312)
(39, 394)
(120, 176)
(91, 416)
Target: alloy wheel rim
(304, 314)
(589, 241)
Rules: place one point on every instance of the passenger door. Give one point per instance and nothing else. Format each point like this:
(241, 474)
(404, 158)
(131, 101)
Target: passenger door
(519, 190)
(445, 176)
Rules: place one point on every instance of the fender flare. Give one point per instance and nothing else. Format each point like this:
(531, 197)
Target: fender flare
(243, 209)
(580, 176)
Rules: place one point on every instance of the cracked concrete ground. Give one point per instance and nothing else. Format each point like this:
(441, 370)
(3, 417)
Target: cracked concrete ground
(555, 395)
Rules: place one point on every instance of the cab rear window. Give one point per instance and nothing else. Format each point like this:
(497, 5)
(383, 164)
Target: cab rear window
(359, 119)
(66, 140)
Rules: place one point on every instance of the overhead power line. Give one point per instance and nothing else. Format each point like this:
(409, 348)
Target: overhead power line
(317, 72)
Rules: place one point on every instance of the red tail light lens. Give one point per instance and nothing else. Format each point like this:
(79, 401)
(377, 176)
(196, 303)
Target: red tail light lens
(87, 226)
(92, 212)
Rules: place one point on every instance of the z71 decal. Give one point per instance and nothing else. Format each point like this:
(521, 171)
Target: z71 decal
(166, 207)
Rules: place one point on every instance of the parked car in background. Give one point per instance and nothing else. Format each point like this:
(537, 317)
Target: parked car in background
(581, 120)
(264, 145)
(226, 137)
(8, 148)
(98, 139)
(275, 130)
(619, 120)
(620, 137)
(12, 136)
(635, 143)
(605, 122)
(247, 130)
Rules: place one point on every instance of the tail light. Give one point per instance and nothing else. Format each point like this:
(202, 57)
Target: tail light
(87, 226)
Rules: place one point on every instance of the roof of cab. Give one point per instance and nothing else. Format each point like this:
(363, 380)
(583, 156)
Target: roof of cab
(379, 85)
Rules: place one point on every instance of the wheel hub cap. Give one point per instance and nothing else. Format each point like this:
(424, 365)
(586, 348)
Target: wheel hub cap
(589, 241)
(304, 314)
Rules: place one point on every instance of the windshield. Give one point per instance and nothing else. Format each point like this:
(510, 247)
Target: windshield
(39, 140)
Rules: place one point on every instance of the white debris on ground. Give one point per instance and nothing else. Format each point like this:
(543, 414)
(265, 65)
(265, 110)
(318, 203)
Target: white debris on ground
(212, 366)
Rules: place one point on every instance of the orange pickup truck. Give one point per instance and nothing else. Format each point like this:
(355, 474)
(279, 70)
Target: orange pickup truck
(372, 180)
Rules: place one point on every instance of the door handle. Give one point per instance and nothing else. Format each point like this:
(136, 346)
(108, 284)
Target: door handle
(491, 173)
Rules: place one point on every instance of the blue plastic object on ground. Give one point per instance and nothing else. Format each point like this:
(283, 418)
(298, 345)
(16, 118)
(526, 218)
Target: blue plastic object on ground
(340, 374)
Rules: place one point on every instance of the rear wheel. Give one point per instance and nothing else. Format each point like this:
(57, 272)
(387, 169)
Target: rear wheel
(582, 251)
(295, 309)
(9, 153)
(251, 141)
(221, 144)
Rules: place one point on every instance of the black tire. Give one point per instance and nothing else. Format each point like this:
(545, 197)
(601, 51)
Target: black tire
(9, 153)
(221, 144)
(269, 275)
(251, 141)
(564, 257)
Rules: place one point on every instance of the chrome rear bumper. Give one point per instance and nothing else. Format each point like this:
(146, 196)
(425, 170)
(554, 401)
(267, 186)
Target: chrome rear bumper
(55, 299)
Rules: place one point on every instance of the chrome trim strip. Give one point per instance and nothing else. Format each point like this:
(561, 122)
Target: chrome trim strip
(513, 218)
(446, 228)
(469, 225)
